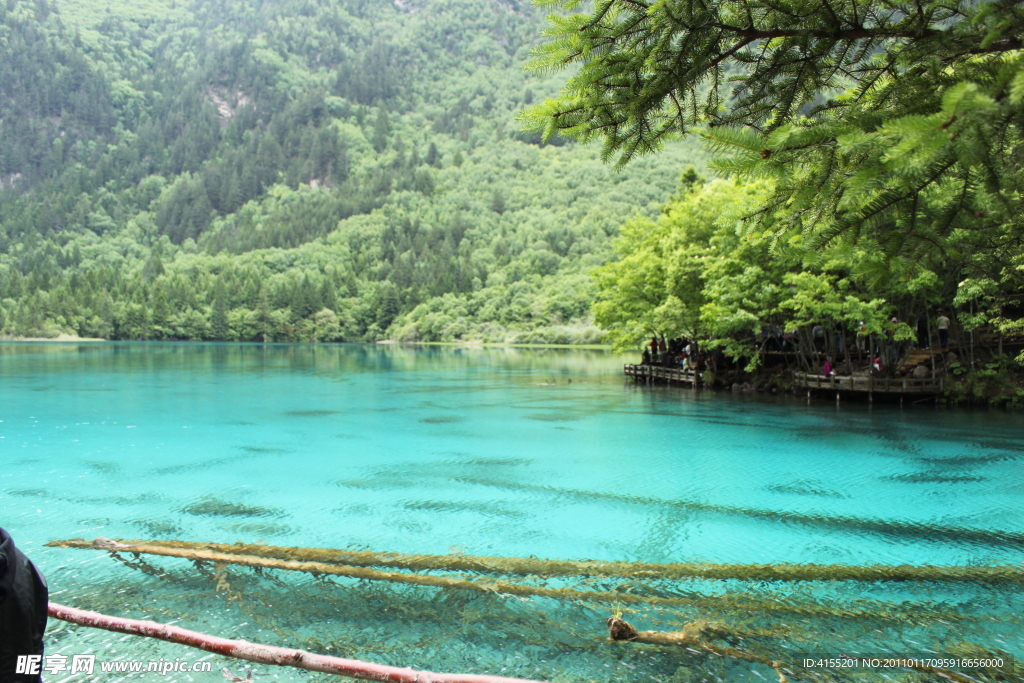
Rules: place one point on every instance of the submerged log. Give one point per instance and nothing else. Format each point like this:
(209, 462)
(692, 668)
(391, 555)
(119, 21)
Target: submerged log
(265, 654)
(523, 566)
(693, 636)
(324, 569)
(705, 602)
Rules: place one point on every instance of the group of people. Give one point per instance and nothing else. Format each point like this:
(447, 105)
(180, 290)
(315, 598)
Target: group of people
(681, 352)
(885, 349)
(672, 353)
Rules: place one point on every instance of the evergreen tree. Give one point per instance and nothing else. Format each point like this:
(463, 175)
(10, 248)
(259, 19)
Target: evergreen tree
(433, 157)
(381, 129)
(218, 313)
(890, 121)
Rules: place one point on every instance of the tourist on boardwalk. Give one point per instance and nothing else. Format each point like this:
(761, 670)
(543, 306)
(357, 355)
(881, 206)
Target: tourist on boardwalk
(839, 339)
(892, 350)
(862, 337)
(922, 332)
(828, 370)
(943, 326)
(646, 360)
(818, 337)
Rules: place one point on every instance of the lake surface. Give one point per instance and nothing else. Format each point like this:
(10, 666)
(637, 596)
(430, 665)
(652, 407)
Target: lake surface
(497, 452)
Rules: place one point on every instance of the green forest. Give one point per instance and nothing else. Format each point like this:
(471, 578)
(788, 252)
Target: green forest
(446, 170)
(870, 180)
(334, 170)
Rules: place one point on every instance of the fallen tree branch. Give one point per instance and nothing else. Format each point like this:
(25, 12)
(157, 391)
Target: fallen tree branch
(498, 587)
(265, 654)
(526, 566)
(692, 636)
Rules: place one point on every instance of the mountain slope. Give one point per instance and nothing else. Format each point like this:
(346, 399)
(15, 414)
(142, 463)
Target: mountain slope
(297, 170)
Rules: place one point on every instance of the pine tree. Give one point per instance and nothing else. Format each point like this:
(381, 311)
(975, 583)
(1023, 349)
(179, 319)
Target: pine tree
(433, 157)
(381, 130)
(219, 312)
(891, 122)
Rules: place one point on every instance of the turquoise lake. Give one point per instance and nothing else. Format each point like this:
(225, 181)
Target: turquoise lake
(498, 452)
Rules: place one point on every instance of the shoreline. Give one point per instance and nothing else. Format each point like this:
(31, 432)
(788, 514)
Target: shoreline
(66, 338)
(59, 338)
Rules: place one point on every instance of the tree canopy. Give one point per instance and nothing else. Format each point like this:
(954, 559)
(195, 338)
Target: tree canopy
(885, 137)
(895, 121)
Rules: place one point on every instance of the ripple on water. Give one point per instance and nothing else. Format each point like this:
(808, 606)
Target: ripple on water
(485, 508)
(496, 462)
(311, 413)
(968, 460)
(934, 478)
(204, 464)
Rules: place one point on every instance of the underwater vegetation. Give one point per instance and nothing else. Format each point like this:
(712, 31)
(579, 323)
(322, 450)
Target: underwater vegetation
(934, 478)
(837, 522)
(265, 450)
(209, 506)
(806, 488)
(554, 417)
(27, 493)
(539, 608)
(105, 467)
(158, 527)
(258, 528)
(482, 507)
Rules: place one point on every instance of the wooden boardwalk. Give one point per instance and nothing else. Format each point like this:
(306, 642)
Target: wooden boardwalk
(649, 373)
(865, 384)
(849, 384)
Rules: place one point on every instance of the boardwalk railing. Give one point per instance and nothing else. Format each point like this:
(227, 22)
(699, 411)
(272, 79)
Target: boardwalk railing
(885, 385)
(659, 372)
(803, 380)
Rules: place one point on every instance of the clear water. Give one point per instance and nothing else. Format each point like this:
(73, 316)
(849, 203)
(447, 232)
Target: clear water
(503, 452)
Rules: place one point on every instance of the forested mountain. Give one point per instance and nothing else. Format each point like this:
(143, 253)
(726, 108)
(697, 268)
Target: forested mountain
(296, 170)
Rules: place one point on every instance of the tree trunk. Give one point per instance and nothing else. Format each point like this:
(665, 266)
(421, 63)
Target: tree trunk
(693, 637)
(264, 654)
(352, 562)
